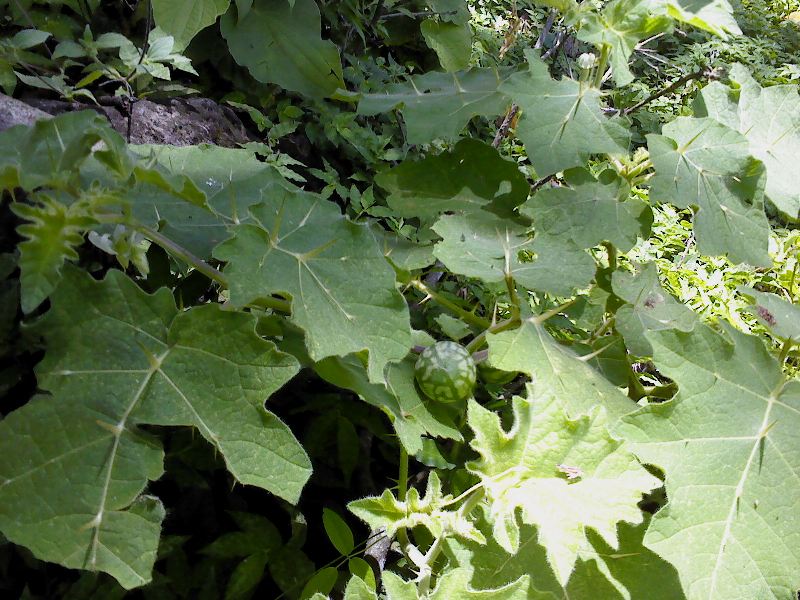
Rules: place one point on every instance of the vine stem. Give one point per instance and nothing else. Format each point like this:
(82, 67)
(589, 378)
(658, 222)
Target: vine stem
(465, 315)
(612, 254)
(480, 339)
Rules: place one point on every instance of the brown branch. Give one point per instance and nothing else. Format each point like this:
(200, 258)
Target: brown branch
(502, 132)
(701, 73)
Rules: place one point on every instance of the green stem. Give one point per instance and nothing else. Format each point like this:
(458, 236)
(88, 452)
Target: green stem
(612, 254)
(787, 345)
(182, 253)
(512, 295)
(480, 339)
(464, 315)
(602, 64)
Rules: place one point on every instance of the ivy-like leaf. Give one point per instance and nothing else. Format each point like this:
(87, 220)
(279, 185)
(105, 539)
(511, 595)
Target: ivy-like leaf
(439, 105)
(342, 289)
(566, 475)
(561, 212)
(649, 308)
(556, 370)
(729, 446)
(556, 116)
(430, 511)
(622, 24)
(470, 177)
(769, 118)
(279, 42)
(412, 415)
(704, 163)
(76, 464)
(453, 584)
(183, 19)
(491, 248)
(774, 313)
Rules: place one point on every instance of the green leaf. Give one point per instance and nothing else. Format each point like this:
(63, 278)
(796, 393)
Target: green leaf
(769, 118)
(470, 177)
(412, 415)
(621, 25)
(566, 475)
(358, 589)
(555, 369)
(453, 584)
(715, 16)
(728, 444)
(439, 105)
(628, 572)
(77, 462)
(701, 162)
(279, 42)
(321, 583)
(556, 116)
(183, 19)
(246, 577)
(649, 308)
(52, 233)
(52, 151)
(776, 314)
(490, 248)
(229, 181)
(452, 43)
(389, 513)
(342, 289)
(616, 217)
(338, 532)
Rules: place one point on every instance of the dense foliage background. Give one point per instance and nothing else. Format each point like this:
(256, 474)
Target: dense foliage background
(598, 200)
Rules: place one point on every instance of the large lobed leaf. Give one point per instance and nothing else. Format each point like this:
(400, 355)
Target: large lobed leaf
(701, 162)
(492, 248)
(769, 119)
(342, 289)
(566, 475)
(439, 105)
(729, 447)
(556, 370)
(76, 463)
(470, 177)
(279, 42)
(556, 116)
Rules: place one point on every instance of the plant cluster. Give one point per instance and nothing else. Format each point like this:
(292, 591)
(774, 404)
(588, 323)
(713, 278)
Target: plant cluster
(495, 289)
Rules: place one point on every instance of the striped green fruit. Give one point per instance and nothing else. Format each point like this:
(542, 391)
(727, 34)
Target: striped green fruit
(445, 372)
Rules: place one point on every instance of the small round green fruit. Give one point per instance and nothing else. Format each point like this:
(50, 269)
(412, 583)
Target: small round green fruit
(446, 372)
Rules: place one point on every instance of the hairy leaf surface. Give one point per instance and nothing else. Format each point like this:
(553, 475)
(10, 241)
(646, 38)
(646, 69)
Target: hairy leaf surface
(728, 444)
(555, 369)
(705, 163)
(342, 289)
(279, 42)
(649, 308)
(439, 105)
(769, 118)
(565, 475)
(77, 463)
(453, 584)
(491, 248)
(470, 177)
(556, 114)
